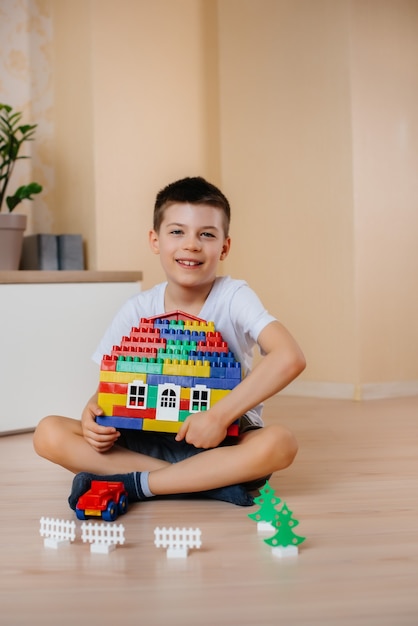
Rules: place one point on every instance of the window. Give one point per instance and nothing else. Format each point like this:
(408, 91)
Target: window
(168, 399)
(168, 402)
(137, 395)
(199, 399)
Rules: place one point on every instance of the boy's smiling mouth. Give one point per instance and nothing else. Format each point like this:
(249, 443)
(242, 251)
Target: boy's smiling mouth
(188, 263)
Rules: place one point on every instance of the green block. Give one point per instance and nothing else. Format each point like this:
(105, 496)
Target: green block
(177, 324)
(130, 366)
(138, 367)
(152, 397)
(183, 415)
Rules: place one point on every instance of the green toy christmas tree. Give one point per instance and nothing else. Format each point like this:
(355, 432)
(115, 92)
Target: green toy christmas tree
(285, 536)
(267, 514)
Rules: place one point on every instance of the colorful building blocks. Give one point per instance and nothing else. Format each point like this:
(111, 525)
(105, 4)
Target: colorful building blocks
(170, 366)
(104, 499)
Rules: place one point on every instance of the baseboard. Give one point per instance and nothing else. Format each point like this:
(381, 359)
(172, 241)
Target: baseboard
(18, 431)
(401, 389)
(348, 391)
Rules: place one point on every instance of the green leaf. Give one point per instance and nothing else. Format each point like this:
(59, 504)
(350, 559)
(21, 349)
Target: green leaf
(12, 136)
(23, 193)
(27, 127)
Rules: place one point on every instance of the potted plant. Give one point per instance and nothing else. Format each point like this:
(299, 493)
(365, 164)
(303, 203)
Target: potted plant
(13, 135)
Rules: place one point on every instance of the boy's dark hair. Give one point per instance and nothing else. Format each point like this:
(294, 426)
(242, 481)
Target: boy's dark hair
(195, 190)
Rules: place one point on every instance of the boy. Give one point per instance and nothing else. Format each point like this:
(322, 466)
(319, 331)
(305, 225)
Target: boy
(191, 235)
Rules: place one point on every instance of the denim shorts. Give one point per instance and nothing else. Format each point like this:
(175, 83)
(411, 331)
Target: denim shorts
(164, 446)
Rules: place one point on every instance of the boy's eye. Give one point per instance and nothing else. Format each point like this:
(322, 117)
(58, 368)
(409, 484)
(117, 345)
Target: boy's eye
(176, 231)
(205, 234)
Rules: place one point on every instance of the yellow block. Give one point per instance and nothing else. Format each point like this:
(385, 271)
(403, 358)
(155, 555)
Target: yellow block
(208, 327)
(178, 368)
(184, 368)
(218, 394)
(202, 370)
(161, 426)
(106, 401)
(185, 393)
(121, 377)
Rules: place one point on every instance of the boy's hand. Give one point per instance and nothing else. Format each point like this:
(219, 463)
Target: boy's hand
(202, 430)
(101, 438)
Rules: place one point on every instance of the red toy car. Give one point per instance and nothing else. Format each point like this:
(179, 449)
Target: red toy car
(104, 499)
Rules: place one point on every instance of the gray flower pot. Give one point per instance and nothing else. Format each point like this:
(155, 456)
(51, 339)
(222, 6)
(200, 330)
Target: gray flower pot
(12, 227)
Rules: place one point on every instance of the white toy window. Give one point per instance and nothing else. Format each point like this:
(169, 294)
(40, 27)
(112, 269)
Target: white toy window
(199, 399)
(137, 395)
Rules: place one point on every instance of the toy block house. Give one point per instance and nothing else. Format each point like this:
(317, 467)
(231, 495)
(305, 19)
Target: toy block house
(170, 366)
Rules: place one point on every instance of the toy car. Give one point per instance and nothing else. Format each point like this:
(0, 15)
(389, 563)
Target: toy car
(104, 499)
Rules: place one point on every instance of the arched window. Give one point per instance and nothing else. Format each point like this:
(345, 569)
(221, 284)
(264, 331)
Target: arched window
(168, 398)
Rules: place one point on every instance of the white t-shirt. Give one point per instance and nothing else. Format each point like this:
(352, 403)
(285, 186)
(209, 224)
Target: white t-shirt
(232, 305)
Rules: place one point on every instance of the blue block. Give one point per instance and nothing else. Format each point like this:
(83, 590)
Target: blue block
(133, 423)
(217, 383)
(214, 358)
(171, 334)
(183, 381)
(233, 370)
(159, 323)
(228, 357)
(226, 370)
(218, 371)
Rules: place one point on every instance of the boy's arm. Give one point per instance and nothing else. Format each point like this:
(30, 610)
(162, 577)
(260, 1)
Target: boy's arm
(282, 363)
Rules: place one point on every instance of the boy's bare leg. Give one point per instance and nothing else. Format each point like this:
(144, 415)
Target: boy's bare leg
(60, 440)
(258, 453)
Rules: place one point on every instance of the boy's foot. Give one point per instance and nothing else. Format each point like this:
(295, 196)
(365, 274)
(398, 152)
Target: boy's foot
(136, 487)
(135, 484)
(81, 484)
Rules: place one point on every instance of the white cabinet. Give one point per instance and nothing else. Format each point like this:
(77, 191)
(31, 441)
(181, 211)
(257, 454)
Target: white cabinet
(48, 332)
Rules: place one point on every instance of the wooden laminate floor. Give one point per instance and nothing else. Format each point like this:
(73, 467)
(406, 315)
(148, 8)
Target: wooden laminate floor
(353, 488)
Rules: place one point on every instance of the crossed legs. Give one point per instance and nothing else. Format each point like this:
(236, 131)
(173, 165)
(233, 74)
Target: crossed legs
(257, 453)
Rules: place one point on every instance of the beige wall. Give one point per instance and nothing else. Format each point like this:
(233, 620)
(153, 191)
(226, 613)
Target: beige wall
(286, 154)
(143, 87)
(304, 112)
(319, 131)
(384, 70)
(26, 70)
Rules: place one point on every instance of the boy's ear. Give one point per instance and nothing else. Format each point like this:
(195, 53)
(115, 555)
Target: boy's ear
(153, 242)
(225, 249)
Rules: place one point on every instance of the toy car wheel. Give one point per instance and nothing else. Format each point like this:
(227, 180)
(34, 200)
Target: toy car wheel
(123, 505)
(111, 512)
(80, 514)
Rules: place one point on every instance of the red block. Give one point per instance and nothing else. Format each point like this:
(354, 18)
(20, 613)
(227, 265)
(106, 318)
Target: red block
(233, 430)
(106, 387)
(108, 363)
(184, 404)
(123, 411)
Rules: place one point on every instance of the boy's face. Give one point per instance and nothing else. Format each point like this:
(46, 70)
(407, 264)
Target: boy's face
(191, 241)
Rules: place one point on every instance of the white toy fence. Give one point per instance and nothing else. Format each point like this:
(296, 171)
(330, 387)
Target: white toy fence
(56, 532)
(102, 537)
(177, 540)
